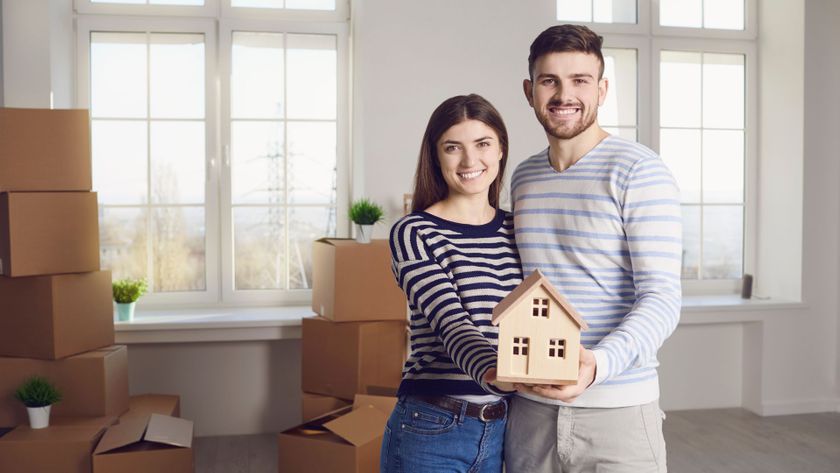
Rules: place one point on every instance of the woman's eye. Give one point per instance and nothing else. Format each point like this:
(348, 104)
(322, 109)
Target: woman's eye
(450, 148)
(483, 144)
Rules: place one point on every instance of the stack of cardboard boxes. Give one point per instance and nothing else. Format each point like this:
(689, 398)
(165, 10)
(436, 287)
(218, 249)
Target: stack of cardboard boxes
(56, 315)
(353, 350)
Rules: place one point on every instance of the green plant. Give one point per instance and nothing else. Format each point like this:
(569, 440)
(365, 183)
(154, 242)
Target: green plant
(365, 212)
(37, 392)
(128, 290)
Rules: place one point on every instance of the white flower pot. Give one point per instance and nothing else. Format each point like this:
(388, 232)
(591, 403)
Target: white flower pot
(363, 233)
(39, 417)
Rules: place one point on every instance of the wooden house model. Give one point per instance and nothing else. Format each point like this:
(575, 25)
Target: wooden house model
(539, 334)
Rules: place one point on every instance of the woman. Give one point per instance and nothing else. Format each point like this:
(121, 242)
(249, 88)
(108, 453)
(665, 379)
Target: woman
(455, 258)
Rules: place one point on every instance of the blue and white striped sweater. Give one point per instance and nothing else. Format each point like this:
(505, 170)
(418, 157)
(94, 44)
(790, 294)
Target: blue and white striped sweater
(453, 275)
(607, 233)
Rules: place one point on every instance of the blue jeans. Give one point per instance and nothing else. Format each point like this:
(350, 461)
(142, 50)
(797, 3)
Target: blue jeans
(423, 438)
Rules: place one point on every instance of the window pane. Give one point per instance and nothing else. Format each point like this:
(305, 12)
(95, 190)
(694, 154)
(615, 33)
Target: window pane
(574, 10)
(178, 162)
(257, 3)
(679, 97)
(691, 242)
(119, 161)
(307, 224)
(176, 75)
(257, 164)
(257, 75)
(312, 76)
(680, 149)
(122, 241)
(723, 90)
(686, 13)
(312, 161)
(723, 14)
(619, 108)
(259, 249)
(723, 166)
(723, 230)
(118, 75)
(178, 249)
(614, 11)
(118, 1)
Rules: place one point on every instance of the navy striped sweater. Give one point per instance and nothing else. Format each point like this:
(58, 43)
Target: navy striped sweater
(454, 275)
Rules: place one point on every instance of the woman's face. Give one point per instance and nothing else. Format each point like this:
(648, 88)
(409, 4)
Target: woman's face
(469, 155)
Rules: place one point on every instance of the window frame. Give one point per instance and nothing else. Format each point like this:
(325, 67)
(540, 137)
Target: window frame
(648, 38)
(749, 243)
(250, 297)
(92, 24)
(217, 21)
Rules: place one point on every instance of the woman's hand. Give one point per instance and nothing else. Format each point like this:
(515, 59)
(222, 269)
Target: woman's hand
(490, 378)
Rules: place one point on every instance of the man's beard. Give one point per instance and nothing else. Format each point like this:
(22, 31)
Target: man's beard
(563, 132)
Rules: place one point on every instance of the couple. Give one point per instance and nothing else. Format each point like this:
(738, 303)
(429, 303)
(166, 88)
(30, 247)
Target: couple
(600, 217)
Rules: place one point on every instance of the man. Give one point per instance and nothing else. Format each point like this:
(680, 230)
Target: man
(600, 216)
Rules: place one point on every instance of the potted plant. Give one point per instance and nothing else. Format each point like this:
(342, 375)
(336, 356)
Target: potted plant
(364, 214)
(126, 293)
(38, 395)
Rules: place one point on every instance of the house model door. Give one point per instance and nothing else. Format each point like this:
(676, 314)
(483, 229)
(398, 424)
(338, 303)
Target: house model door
(519, 359)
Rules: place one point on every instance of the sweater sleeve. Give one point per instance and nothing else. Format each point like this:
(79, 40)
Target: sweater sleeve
(430, 290)
(653, 226)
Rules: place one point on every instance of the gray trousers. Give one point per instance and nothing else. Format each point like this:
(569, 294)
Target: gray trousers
(545, 438)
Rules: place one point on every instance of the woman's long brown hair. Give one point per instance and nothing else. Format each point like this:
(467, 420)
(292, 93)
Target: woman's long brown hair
(429, 185)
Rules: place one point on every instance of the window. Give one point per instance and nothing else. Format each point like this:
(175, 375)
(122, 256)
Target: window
(540, 308)
(557, 348)
(216, 172)
(520, 346)
(676, 87)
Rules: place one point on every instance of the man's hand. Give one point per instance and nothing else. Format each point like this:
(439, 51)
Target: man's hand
(569, 392)
(490, 378)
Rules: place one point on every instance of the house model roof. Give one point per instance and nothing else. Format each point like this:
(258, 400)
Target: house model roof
(522, 291)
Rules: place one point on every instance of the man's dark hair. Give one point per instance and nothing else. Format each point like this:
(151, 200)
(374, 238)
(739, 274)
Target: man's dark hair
(566, 38)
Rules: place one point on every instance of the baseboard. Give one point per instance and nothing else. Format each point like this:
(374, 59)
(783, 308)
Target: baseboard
(800, 406)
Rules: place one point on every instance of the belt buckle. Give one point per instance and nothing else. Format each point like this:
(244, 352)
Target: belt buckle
(481, 413)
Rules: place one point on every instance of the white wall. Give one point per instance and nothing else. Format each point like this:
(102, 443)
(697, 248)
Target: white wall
(408, 57)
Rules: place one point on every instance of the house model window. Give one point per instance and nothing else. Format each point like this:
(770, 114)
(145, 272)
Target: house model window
(540, 308)
(557, 348)
(520, 346)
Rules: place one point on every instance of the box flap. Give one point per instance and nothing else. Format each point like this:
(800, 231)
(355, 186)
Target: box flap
(169, 431)
(127, 432)
(360, 426)
(336, 241)
(383, 403)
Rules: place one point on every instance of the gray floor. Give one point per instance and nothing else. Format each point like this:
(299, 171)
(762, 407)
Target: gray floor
(708, 441)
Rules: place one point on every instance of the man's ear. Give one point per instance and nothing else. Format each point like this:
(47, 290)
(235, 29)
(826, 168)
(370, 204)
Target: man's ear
(603, 85)
(527, 87)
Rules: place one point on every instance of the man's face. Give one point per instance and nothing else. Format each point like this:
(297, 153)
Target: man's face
(566, 93)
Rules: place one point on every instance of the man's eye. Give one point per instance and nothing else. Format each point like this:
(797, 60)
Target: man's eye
(549, 82)
(580, 81)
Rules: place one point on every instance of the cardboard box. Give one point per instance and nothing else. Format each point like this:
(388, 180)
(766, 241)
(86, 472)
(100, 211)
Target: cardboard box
(154, 443)
(346, 441)
(144, 405)
(93, 384)
(51, 317)
(353, 281)
(315, 405)
(44, 150)
(48, 233)
(343, 359)
(65, 446)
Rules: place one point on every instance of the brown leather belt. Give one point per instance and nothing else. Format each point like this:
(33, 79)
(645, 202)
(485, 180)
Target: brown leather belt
(483, 412)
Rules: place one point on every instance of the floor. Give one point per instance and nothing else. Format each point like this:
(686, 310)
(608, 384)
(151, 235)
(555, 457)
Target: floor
(707, 441)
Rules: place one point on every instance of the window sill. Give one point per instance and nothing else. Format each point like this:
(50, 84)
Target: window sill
(284, 323)
(213, 325)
